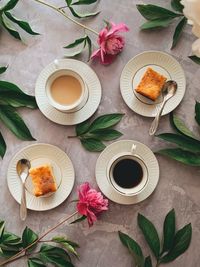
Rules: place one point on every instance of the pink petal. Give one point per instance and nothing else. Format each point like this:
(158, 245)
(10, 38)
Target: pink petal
(102, 36)
(108, 59)
(82, 208)
(121, 27)
(95, 54)
(91, 218)
(102, 55)
(82, 190)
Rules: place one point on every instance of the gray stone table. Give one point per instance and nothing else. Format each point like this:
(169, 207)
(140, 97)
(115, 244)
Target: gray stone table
(179, 184)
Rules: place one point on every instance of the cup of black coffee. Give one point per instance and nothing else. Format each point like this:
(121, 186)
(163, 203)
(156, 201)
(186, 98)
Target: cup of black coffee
(127, 173)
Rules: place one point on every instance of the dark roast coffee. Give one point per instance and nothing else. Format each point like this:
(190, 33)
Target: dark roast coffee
(127, 173)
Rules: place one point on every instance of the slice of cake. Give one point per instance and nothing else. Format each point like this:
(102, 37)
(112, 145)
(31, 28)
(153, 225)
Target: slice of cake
(43, 180)
(151, 84)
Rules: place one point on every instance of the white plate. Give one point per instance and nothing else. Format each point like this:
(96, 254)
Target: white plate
(92, 82)
(63, 169)
(133, 72)
(120, 147)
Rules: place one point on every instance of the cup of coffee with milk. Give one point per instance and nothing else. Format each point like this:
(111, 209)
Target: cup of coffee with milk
(66, 90)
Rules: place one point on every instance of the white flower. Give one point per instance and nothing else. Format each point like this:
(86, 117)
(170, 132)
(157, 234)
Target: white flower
(192, 12)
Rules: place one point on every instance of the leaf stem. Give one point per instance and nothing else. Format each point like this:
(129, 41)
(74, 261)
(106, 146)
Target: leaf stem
(16, 256)
(62, 7)
(62, 12)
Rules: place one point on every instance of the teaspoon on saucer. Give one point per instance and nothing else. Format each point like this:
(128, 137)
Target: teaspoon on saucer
(23, 166)
(168, 92)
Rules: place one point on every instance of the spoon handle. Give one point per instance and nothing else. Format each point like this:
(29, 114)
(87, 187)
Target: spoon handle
(23, 209)
(155, 122)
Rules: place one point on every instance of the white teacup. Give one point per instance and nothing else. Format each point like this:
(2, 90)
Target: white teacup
(136, 158)
(75, 105)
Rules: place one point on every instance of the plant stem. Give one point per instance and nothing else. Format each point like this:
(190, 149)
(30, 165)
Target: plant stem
(16, 256)
(62, 12)
(72, 136)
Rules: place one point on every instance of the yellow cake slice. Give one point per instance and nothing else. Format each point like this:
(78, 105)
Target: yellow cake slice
(151, 84)
(43, 180)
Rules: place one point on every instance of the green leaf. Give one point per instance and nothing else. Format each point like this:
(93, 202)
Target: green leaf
(11, 94)
(8, 251)
(76, 42)
(6, 23)
(62, 238)
(10, 244)
(152, 12)
(177, 6)
(133, 247)
(148, 262)
(2, 227)
(89, 42)
(7, 254)
(92, 145)
(14, 123)
(105, 134)
(22, 24)
(178, 31)
(169, 231)
(68, 2)
(28, 237)
(8, 87)
(3, 69)
(182, 156)
(75, 53)
(84, 2)
(78, 15)
(35, 262)
(66, 244)
(184, 142)
(197, 112)
(150, 234)
(10, 5)
(157, 23)
(10, 239)
(2, 146)
(180, 126)
(181, 243)
(82, 218)
(105, 121)
(195, 59)
(82, 128)
(55, 255)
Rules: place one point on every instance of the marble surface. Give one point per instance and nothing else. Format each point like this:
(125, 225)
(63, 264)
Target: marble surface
(178, 186)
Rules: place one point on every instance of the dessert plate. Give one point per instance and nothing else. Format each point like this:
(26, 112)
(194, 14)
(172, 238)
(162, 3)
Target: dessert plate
(91, 104)
(133, 72)
(146, 155)
(39, 154)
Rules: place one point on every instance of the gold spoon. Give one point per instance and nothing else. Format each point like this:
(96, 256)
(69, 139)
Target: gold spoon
(168, 91)
(23, 166)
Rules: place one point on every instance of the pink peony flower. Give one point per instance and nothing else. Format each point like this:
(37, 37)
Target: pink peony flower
(91, 203)
(110, 42)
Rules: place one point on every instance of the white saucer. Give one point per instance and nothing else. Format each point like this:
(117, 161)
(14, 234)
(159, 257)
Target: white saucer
(92, 82)
(120, 147)
(63, 170)
(133, 72)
